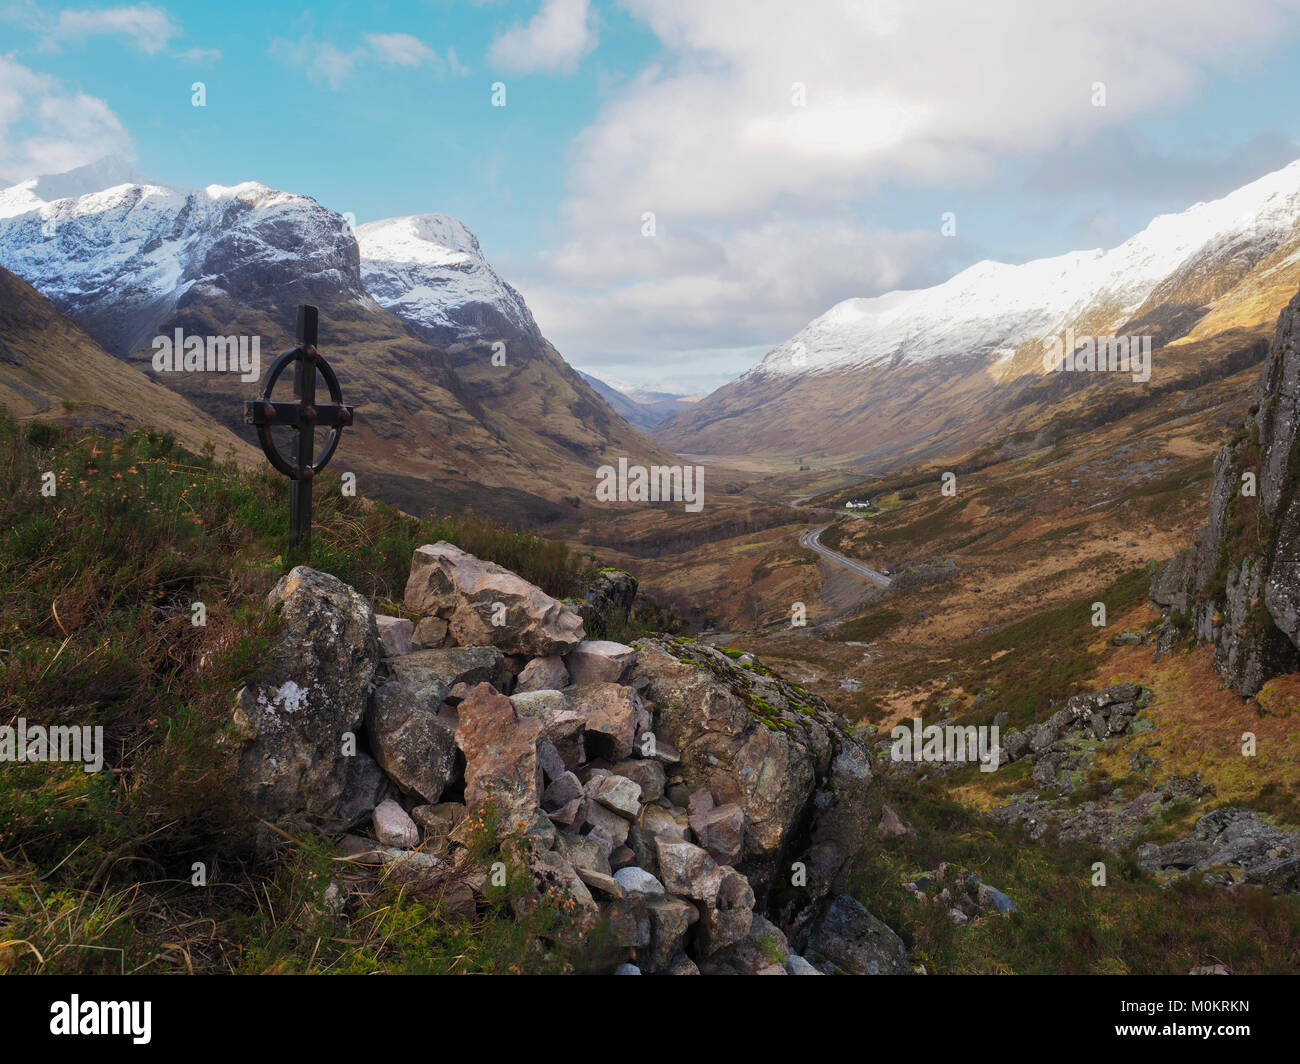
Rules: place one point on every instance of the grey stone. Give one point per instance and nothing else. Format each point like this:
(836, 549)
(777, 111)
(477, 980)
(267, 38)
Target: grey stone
(393, 827)
(615, 792)
(543, 674)
(394, 634)
(638, 880)
(599, 661)
(856, 942)
(291, 720)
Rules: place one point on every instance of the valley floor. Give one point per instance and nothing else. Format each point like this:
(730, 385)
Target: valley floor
(1025, 586)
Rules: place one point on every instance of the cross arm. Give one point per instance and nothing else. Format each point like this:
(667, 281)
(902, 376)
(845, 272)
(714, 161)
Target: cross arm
(328, 415)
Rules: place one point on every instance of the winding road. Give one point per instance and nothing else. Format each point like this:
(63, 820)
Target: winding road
(812, 540)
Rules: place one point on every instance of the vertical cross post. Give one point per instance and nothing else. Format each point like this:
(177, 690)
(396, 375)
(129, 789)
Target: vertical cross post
(303, 415)
(304, 390)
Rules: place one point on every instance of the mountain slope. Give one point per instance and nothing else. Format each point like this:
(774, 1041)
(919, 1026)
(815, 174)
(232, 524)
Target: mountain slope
(50, 368)
(430, 271)
(134, 261)
(902, 371)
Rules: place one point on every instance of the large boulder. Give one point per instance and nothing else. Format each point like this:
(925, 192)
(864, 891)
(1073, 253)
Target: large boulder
(293, 719)
(849, 939)
(484, 604)
(502, 767)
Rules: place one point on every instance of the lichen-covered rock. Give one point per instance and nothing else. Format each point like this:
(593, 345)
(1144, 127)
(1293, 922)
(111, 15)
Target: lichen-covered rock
(765, 745)
(649, 776)
(564, 725)
(293, 719)
(430, 632)
(487, 605)
(638, 880)
(610, 594)
(455, 665)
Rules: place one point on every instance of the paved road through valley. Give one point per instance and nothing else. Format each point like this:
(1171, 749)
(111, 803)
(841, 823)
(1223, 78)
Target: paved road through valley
(812, 540)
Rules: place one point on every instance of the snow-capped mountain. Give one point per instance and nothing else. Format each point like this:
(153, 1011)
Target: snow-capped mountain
(993, 306)
(866, 377)
(429, 270)
(136, 259)
(120, 258)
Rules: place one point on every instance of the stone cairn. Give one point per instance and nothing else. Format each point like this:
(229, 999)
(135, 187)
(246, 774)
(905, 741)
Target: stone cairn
(695, 807)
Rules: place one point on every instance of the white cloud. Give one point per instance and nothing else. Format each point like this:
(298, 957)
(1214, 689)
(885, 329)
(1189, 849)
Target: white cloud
(700, 307)
(936, 93)
(149, 28)
(200, 55)
(750, 189)
(46, 129)
(325, 62)
(400, 49)
(552, 41)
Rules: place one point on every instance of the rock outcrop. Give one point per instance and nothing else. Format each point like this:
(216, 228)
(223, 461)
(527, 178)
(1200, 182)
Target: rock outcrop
(755, 741)
(1238, 585)
(1230, 846)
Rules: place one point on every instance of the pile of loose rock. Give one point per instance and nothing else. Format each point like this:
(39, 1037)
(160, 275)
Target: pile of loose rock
(663, 791)
(961, 892)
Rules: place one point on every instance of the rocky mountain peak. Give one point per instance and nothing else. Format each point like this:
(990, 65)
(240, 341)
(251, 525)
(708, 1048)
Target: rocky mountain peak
(429, 270)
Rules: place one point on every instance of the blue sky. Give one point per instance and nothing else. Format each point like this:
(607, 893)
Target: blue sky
(766, 210)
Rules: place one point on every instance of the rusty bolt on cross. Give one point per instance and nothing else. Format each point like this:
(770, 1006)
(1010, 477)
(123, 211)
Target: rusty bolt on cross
(302, 415)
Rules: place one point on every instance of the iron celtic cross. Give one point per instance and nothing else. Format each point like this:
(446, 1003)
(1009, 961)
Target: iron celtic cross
(302, 415)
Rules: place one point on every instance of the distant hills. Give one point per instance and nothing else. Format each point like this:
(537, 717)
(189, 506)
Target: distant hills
(639, 407)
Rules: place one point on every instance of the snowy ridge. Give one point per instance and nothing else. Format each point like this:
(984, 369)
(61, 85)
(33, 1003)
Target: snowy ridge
(429, 270)
(136, 248)
(993, 307)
